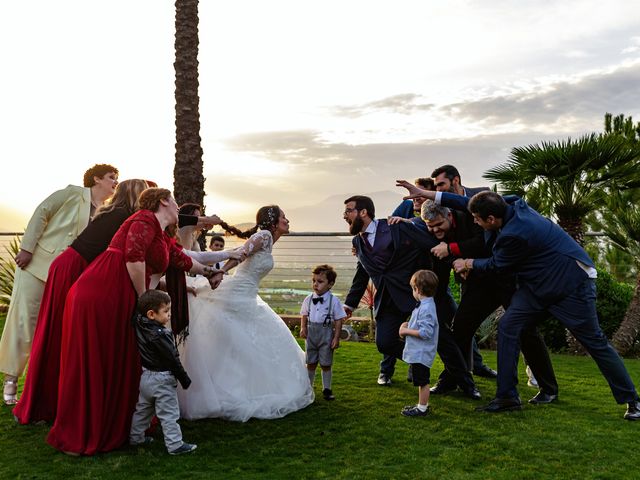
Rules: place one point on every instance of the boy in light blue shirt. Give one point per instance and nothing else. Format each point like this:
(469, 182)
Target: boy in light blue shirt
(421, 339)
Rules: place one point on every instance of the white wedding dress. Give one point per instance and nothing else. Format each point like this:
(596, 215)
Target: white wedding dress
(242, 359)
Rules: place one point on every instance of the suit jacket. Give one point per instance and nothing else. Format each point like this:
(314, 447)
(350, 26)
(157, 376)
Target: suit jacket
(411, 244)
(541, 254)
(471, 191)
(404, 210)
(56, 222)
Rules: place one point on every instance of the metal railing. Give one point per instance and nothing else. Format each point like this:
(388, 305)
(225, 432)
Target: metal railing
(295, 256)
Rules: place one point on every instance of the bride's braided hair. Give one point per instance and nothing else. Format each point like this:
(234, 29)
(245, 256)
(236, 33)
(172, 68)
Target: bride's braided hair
(266, 219)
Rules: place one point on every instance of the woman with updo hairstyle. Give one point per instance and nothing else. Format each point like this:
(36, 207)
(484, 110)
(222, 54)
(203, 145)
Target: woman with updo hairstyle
(99, 361)
(240, 354)
(40, 396)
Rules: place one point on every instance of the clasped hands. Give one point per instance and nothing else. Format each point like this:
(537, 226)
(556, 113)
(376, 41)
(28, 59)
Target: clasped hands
(214, 276)
(462, 266)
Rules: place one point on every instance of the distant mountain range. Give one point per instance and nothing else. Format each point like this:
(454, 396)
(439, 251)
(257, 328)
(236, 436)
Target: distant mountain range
(326, 216)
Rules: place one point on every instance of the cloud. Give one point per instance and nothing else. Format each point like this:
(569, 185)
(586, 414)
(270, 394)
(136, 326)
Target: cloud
(584, 98)
(404, 103)
(295, 147)
(330, 168)
(318, 166)
(545, 104)
(634, 47)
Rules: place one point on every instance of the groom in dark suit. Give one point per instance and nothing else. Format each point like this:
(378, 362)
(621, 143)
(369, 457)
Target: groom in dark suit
(389, 255)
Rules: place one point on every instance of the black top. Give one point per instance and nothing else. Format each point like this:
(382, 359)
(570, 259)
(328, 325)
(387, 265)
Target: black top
(96, 237)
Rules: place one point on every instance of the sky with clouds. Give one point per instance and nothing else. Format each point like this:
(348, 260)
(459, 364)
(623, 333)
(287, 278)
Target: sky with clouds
(303, 100)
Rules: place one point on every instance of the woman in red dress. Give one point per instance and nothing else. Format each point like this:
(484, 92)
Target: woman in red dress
(40, 395)
(99, 362)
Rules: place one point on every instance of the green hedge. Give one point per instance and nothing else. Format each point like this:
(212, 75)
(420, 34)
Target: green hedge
(612, 301)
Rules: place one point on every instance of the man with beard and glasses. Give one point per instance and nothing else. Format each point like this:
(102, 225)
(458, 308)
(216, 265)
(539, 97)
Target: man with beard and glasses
(389, 255)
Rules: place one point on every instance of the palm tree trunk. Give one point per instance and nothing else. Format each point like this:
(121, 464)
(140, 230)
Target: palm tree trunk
(575, 228)
(627, 332)
(188, 184)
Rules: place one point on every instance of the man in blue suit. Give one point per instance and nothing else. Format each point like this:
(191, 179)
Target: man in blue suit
(389, 255)
(555, 276)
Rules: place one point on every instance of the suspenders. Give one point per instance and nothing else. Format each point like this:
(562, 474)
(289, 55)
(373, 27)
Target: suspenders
(328, 319)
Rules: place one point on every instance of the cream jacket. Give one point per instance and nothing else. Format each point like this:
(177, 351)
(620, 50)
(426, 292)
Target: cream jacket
(56, 222)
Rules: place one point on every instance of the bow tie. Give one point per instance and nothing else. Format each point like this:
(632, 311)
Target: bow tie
(315, 300)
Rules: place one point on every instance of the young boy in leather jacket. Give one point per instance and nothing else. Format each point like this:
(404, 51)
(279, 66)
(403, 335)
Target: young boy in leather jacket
(161, 370)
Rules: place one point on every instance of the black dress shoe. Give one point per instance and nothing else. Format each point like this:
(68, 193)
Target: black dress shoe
(541, 398)
(633, 411)
(484, 371)
(473, 393)
(498, 405)
(441, 389)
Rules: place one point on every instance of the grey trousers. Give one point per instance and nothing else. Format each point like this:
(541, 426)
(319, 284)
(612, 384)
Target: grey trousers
(158, 395)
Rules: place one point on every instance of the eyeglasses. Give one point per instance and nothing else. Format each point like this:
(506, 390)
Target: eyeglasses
(347, 211)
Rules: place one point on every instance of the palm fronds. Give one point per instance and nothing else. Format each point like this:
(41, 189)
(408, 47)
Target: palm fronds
(7, 271)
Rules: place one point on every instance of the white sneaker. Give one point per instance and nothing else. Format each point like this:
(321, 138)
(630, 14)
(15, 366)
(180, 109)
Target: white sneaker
(532, 382)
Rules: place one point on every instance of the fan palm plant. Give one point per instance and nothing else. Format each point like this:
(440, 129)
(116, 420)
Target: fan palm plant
(568, 179)
(7, 271)
(621, 223)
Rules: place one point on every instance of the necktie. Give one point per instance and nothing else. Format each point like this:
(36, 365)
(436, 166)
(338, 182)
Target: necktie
(315, 300)
(365, 238)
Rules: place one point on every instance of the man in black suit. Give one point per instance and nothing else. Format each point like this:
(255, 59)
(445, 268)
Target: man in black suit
(447, 179)
(389, 255)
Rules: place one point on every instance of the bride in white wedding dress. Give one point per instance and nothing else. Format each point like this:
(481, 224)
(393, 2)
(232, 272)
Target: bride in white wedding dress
(242, 359)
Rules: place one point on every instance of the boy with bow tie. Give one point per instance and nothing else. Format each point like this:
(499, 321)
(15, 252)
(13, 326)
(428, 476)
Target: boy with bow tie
(320, 326)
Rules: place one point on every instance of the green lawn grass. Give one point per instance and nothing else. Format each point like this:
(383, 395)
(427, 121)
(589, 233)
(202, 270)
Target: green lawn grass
(363, 435)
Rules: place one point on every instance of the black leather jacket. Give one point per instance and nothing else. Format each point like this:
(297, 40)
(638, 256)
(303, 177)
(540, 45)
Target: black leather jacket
(158, 349)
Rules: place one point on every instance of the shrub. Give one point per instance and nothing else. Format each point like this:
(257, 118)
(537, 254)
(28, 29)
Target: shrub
(612, 301)
(7, 271)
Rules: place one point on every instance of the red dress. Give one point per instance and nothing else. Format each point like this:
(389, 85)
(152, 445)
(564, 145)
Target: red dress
(40, 394)
(99, 363)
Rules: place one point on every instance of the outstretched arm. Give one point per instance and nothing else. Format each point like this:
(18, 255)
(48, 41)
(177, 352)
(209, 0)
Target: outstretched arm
(415, 192)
